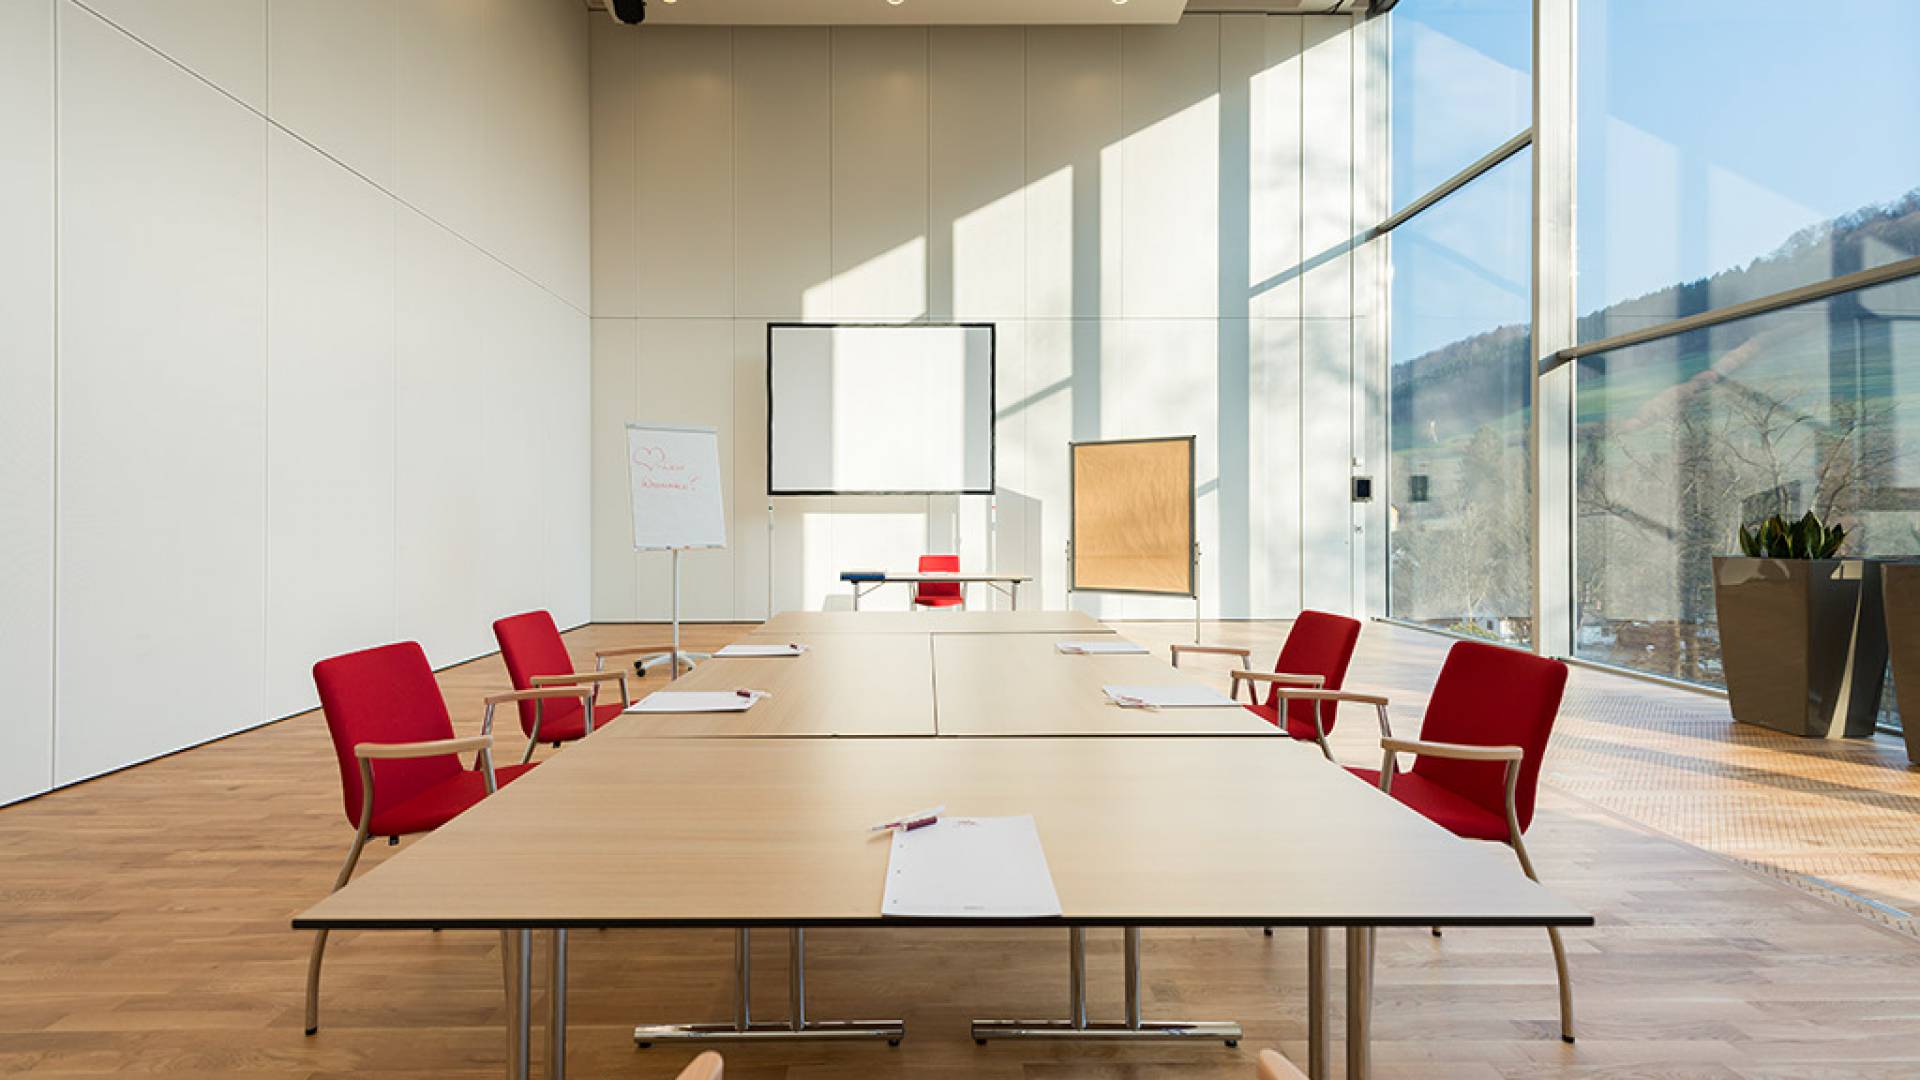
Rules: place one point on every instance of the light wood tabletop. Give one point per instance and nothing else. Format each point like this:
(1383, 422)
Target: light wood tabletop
(774, 832)
(932, 622)
(1019, 684)
(843, 685)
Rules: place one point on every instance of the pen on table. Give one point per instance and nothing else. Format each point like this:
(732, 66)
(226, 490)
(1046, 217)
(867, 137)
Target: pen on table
(751, 694)
(907, 822)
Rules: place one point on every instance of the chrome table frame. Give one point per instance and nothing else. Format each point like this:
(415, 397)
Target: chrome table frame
(1076, 1025)
(743, 1027)
(1007, 585)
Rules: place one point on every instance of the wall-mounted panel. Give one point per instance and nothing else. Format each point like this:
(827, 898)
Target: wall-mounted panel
(879, 177)
(162, 440)
(976, 172)
(683, 204)
(26, 406)
(1074, 128)
(615, 181)
(330, 418)
(1170, 194)
(221, 41)
(330, 77)
(782, 137)
(616, 356)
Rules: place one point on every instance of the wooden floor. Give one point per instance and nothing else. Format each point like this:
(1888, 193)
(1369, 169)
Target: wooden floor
(143, 928)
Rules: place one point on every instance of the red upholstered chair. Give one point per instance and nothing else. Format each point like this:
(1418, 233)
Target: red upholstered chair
(400, 768)
(536, 659)
(1477, 761)
(939, 593)
(1315, 656)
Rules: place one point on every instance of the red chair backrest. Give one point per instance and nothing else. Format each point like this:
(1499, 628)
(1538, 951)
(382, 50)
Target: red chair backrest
(1317, 644)
(1490, 695)
(939, 564)
(530, 643)
(384, 695)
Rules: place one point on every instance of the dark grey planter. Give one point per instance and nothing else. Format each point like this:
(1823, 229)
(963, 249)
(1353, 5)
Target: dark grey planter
(1802, 643)
(1900, 587)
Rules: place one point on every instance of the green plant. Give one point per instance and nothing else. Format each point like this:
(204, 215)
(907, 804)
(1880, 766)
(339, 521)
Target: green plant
(1778, 538)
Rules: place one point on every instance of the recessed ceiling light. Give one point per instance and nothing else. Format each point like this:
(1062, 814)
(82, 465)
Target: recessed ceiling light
(896, 3)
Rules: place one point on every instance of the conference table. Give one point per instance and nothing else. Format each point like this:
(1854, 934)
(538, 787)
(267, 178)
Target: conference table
(1007, 585)
(1168, 820)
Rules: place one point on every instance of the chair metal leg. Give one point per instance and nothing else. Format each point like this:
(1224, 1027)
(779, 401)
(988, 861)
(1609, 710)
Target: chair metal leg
(1559, 948)
(320, 936)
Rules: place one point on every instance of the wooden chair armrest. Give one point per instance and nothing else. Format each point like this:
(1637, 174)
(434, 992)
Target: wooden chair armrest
(1274, 1067)
(1309, 682)
(1218, 650)
(705, 1067)
(582, 693)
(1457, 751)
(577, 677)
(433, 748)
(1309, 694)
(633, 650)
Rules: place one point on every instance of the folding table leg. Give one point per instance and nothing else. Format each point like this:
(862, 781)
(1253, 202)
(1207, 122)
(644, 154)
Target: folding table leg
(1076, 1025)
(518, 947)
(1319, 1065)
(1359, 1002)
(557, 1007)
(743, 1027)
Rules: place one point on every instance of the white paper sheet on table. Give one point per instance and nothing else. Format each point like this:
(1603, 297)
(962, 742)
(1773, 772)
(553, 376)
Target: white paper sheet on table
(739, 650)
(685, 701)
(1117, 645)
(970, 868)
(1168, 697)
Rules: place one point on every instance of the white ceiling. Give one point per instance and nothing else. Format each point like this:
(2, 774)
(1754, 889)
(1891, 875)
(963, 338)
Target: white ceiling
(910, 12)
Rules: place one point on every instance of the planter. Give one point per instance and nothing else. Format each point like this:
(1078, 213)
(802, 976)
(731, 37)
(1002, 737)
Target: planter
(1900, 586)
(1802, 643)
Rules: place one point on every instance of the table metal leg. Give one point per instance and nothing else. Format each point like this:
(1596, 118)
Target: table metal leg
(1319, 1067)
(519, 947)
(1076, 1025)
(1359, 1002)
(557, 1007)
(743, 1026)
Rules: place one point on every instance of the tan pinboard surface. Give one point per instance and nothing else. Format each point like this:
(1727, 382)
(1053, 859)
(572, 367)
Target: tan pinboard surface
(1020, 684)
(1133, 516)
(730, 832)
(930, 622)
(844, 684)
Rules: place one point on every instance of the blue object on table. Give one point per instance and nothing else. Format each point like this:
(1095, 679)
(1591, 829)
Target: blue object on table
(863, 575)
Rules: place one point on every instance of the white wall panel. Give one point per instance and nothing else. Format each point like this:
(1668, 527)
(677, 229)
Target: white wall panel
(1326, 172)
(445, 502)
(879, 174)
(1274, 162)
(536, 132)
(615, 184)
(563, 376)
(162, 333)
(510, 472)
(782, 141)
(222, 41)
(440, 161)
(330, 418)
(616, 358)
(1274, 447)
(683, 204)
(1170, 194)
(1074, 129)
(752, 546)
(330, 77)
(26, 405)
(976, 172)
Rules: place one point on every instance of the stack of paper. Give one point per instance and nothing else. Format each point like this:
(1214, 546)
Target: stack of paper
(970, 868)
(687, 701)
(737, 649)
(1167, 697)
(1087, 648)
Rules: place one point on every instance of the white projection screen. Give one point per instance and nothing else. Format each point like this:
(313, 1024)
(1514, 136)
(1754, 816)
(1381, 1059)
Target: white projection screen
(873, 409)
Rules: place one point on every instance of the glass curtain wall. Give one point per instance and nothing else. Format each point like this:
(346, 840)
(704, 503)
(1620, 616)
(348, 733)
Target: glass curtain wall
(1460, 360)
(1728, 151)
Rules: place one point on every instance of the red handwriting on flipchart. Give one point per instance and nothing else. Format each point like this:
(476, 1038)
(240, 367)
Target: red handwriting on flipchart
(658, 471)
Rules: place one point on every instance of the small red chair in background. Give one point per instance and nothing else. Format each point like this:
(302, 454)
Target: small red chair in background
(1477, 762)
(1315, 656)
(939, 593)
(382, 705)
(537, 659)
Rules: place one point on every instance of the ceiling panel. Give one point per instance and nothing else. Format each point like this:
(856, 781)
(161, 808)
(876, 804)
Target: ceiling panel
(907, 12)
